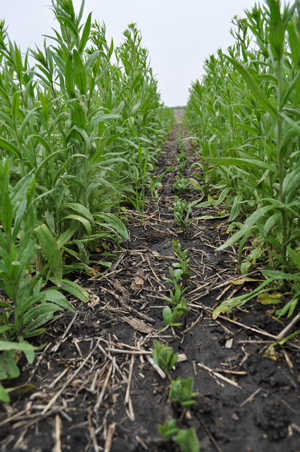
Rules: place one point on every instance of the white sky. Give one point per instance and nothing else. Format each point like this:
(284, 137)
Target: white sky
(178, 34)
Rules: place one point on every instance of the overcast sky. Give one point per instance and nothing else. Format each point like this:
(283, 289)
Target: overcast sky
(179, 34)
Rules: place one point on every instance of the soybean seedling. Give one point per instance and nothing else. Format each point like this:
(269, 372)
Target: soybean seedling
(181, 184)
(182, 212)
(164, 357)
(186, 438)
(170, 316)
(181, 391)
(168, 430)
(182, 266)
(176, 294)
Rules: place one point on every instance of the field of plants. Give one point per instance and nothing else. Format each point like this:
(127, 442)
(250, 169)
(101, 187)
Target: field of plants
(150, 257)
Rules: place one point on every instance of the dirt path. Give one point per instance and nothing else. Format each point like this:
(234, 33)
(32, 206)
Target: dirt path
(95, 388)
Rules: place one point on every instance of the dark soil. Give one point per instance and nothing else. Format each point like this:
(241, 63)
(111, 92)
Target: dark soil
(86, 393)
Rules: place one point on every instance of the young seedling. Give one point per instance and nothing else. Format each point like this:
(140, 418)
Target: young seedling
(182, 157)
(182, 166)
(184, 260)
(175, 275)
(181, 184)
(186, 438)
(182, 212)
(177, 292)
(164, 357)
(181, 391)
(168, 430)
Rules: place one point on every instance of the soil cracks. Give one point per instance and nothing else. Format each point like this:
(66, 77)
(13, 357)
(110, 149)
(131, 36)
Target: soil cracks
(96, 388)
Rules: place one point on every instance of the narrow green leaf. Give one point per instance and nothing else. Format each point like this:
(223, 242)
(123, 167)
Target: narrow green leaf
(115, 223)
(85, 34)
(79, 73)
(82, 210)
(69, 78)
(82, 220)
(238, 162)
(6, 213)
(51, 251)
(79, 118)
(255, 89)
(75, 290)
(249, 223)
(276, 29)
(10, 147)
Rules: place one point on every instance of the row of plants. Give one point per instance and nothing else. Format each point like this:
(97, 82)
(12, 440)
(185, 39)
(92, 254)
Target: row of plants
(180, 394)
(179, 275)
(81, 126)
(181, 390)
(182, 209)
(244, 117)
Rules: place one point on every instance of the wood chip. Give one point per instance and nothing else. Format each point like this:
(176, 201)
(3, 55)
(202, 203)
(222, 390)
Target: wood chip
(181, 358)
(139, 325)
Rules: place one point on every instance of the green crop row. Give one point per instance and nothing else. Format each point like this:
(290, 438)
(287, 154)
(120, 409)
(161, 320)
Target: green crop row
(244, 115)
(81, 125)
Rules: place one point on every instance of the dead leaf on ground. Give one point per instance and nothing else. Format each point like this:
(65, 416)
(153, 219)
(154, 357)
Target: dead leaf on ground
(241, 281)
(139, 325)
(138, 281)
(118, 286)
(93, 298)
(270, 298)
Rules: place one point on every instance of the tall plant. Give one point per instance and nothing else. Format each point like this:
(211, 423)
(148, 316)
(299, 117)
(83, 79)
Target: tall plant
(256, 153)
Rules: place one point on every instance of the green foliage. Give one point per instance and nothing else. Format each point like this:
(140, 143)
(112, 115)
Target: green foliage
(181, 185)
(186, 438)
(183, 261)
(179, 277)
(244, 116)
(164, 357)
(79, 133)
(170, 317)
(30, 306)
(8, 367)
(182, 391)
(182, 211)
(168, 430)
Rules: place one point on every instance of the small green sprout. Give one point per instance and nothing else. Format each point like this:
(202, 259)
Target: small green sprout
(182, 156)
(187, 440)
(170, 317)
(182, 212)
(177, 292)
(181, 184)
(164, 357)
(182, 166)
(182, 391)
(183, 261)
(168, 430)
